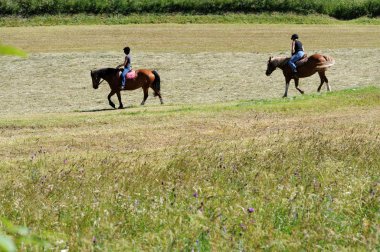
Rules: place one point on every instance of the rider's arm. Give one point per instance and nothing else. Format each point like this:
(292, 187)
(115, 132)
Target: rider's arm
(124, 64)
(293, 45)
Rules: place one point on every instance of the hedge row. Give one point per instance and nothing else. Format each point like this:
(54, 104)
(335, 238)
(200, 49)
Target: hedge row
(341, 9)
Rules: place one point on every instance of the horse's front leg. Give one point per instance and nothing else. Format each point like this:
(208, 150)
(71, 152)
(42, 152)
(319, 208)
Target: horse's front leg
(296, 82)
(287, 81)
(109, 98)
(119, 98)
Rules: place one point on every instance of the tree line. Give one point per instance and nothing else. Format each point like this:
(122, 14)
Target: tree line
(340, 9)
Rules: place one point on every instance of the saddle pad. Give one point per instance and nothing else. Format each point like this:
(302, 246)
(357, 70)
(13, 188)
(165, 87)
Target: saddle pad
(131, 75)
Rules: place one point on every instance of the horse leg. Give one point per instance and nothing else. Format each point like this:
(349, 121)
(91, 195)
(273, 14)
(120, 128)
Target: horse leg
(322, 76)
(287, 80)
(327, 84)
(157, 93)
(109, 98)
(145, 96)
(119, 98)
(296, 82)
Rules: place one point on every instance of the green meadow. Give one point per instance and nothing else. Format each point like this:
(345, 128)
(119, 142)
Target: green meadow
(298, 174)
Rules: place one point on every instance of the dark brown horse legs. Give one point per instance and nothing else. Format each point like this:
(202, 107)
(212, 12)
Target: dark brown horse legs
(119, 98)
(157, 93)
(296, 82)
(145, 96)
(109, 99)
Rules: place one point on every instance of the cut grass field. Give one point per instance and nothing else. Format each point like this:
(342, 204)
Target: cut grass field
(223, 165)
(183, 177)
(197, 63)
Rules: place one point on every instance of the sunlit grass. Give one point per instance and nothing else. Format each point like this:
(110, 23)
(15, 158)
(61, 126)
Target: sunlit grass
(229, 18)
(270, 174)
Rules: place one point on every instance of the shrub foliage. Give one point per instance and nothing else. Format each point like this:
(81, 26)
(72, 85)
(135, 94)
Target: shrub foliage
(341, 9)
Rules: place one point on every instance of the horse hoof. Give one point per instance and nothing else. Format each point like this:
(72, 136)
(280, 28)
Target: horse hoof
(120, 107)
(112, 105)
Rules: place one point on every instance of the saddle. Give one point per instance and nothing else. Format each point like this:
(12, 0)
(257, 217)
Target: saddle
(130, 75)
(302, 60)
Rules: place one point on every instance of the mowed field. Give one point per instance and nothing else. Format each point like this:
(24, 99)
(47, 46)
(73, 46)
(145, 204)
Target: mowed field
(224, 165)
(197, 63)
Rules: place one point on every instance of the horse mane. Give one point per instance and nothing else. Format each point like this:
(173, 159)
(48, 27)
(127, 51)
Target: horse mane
(279, 61)
(106, 71)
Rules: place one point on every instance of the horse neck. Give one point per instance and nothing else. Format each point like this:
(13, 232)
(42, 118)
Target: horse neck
(280, 62)
(108, 74)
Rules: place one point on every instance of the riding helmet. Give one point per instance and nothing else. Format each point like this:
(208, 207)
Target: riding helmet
(294, 36)
(126, 50)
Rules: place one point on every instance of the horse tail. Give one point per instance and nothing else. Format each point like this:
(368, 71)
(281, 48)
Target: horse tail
(330, 61)
(156, 83)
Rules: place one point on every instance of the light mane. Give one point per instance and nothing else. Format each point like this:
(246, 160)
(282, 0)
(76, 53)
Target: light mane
(279, 61)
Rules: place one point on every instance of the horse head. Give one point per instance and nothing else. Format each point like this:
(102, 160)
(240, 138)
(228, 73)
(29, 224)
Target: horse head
(95, 79)
(270, 67)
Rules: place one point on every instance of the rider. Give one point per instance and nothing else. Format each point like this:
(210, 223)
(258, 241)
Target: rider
(297, 53)
(127, 66)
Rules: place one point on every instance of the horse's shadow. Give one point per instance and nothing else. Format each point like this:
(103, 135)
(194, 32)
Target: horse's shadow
(104, 109)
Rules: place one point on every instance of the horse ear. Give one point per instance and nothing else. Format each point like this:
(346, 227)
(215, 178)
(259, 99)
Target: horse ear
(270, 58)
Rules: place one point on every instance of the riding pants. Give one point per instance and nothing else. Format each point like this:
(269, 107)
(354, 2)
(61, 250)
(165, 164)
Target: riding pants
(297, 56)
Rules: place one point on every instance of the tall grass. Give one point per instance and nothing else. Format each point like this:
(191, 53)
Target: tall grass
(341, 9)
(226, 177)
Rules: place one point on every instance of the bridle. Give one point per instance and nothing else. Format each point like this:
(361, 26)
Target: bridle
(100, 81)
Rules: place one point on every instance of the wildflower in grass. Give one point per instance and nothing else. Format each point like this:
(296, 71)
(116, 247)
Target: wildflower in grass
(195, 195)
(94, 240)
(65, 161)
(251, 210)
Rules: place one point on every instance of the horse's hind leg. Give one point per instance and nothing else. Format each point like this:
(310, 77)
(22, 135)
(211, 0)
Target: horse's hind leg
(157, 93)
(109, 98)
(324, 79)
(296, 82)
(327, 84)
(145, 96)
(119, 98)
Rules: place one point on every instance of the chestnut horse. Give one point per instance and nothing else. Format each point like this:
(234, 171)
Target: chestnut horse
(145, 79)
(305, 67)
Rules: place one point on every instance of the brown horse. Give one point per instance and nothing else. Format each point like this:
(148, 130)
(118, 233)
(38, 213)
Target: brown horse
(145, 79)
(305, 67)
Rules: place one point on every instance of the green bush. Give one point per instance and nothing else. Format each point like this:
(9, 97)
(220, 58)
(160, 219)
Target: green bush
(341, 9)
